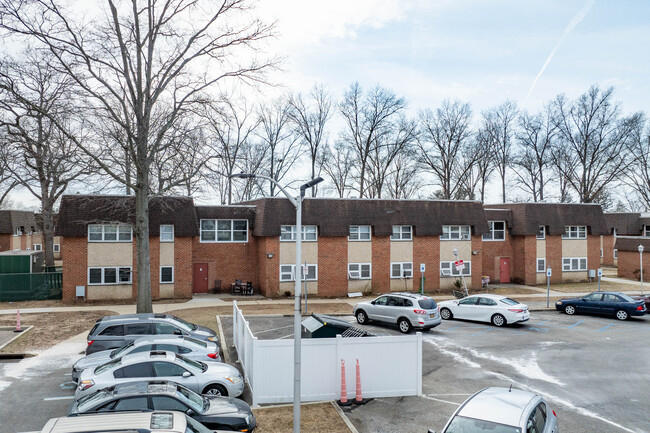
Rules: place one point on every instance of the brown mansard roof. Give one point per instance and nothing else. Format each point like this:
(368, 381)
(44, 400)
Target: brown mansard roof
(527, 217)
(77, 211)
(10, 220)
(335, 216)
(632, 244)
(625, 223)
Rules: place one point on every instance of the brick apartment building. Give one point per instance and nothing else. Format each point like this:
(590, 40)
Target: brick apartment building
(629, 260)
(349, 245)
(622, 224)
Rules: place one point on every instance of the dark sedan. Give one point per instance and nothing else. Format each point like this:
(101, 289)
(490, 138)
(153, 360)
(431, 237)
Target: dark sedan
(644, 298)
(214, 412)
(615, 304)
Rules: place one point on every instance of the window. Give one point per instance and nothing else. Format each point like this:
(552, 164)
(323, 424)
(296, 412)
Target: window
(594, 297)
(541, 232)
(381, 300)
(142, 369)
(359, 233)
(486, 301)
(109, 233)
(573, 264)
(163, 402)
(114, 331)
(468, 301)
(38, 247)
(167, 329)
(646, 230)
(497, 231)
(166, 274)
(165, 369)
(601, 253)
(133, 403)
(287, 272)
(448, 269)
(401, 270)
(138, 329)
(541, 265)
(224, 230)
(455, 233)
(288, 233)
(166, 233)
(57, 248)
(402, 233)
(608, 297)
(359, 271)
(537, 420)
(575, 232)
(173, 348)
(615, 253)
(109, 275)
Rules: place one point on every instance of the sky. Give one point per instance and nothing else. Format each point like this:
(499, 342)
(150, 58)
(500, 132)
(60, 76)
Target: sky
(479, 51)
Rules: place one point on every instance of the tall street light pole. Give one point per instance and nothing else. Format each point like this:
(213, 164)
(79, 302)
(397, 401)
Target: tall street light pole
(297, 202)
(641, 263)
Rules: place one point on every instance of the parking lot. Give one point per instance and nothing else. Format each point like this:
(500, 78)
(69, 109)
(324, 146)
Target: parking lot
(593, 371)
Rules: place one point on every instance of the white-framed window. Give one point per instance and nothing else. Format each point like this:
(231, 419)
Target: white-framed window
(574, 264)
(541, 265)
(541, 232)
(166, 233)
(575, 232)
(497, 231)
(448, 269)
(359, 271)
(224, 230)
(37, 247)
(166, 274)
(109, 275)
(110, 233)
(646, 230)
(288, 233)
(601, 253)
(359, 233)
(450, 233)
(57, 248)
(401, 269)
(402, 233)
(288, 272)
(615, 253)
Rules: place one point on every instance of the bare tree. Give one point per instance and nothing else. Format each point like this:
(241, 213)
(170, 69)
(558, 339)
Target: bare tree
(367, 119)
(596, 140)
(535, 137)
(142, 65)
(7, 182)
(498, 123)
(309, 122)
(481, 160)
(37, 153)
(403, 181)
(444, 144)
(638, 176)
(337, 163)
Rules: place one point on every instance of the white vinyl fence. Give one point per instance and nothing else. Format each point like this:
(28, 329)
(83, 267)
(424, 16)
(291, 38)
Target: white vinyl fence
(390, 366)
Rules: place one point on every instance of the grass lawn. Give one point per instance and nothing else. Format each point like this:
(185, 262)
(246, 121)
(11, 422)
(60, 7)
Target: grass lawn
(314, 418)
(593, 287)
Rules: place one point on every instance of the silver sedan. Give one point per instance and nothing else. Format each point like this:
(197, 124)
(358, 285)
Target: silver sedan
(213, 378)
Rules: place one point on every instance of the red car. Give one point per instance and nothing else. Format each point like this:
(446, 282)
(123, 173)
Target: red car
(645, 298)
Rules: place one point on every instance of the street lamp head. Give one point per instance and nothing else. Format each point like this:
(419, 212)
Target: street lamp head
(455, 251)
(243, 175)
(309, 184)
(641, 248)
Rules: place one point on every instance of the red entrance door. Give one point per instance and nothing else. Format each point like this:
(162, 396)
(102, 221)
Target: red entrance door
(200, 278)
(504, 269)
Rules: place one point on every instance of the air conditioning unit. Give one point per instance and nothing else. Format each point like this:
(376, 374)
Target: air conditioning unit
(354, 275)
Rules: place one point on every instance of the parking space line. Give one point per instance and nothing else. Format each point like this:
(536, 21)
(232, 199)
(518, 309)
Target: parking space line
(605, 327)
(440, 400)
(68, 397)
(542, 322)
(274, 329)
(575, 324)
(480, 332)
(286, 336)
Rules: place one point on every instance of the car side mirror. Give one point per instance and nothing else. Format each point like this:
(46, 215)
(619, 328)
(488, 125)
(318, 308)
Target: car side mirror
(186, 374)
(190, 412)
(372, 302)
(431, 431)
(583, 299)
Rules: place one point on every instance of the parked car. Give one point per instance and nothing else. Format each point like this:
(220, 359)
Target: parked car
(615, 304)
(215, 378)
(503, 410)
(111, 332)
(644, 298)
(187, 346)
(141, 422)
(406, 310)
(216, 413)
(496, 309)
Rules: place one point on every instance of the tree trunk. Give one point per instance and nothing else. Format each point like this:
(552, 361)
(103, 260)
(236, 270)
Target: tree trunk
(143, 260)
(48, 230)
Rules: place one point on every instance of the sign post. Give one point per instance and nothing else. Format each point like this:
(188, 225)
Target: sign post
(422, 267)
(600, 274)
(460, 265)
(305, 270)
(548, 286)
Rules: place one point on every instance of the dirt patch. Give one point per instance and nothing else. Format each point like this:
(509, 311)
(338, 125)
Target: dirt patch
(593, 287)
(49, 328)
(314, 418)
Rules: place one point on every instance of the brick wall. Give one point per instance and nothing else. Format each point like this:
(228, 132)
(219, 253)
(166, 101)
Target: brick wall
(381, 264)
(629, 266)
(154, 254)
(530, 264)
(477, 262)
(593, 252)
(426, 249)
(5, 241)
(268, 268)
(554, 257)
(332, 266)
(490, 252)
(75, 266)
(608, 250)
(134, 269)
(518, 259)
(183, 267)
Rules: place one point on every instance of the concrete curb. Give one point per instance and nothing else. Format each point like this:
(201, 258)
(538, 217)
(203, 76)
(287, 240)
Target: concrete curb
(18, 334)
(344, 417)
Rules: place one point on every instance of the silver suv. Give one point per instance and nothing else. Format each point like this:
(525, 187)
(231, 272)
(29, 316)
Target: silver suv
(406, 310)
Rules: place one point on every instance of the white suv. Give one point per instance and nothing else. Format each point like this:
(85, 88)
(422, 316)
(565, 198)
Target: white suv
(406, 310)
(142, 422)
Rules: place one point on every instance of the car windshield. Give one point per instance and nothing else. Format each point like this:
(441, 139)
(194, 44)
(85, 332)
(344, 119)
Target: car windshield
(185, 324)
(117, 353)
(105, 367)
(427, 304)
(88, 401)
(461, 424)
(509, 301)
(194, 365)
(191, 398)
(626, 298)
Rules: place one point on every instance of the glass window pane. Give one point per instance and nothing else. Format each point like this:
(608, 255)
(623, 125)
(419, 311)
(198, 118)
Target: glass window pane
(135, 403)
(124, 233)
(95, 232)
(162, 402)
(239, 236)
(110, 233)
(137, 370)
(166, 274)
(125, 275)
(110, 275)
(95, 276)
(396, 270)
(164, 369)
(207, 235)
(207, 224)
(240, 225)
(138, 329)
(224, 236)
(224, 225)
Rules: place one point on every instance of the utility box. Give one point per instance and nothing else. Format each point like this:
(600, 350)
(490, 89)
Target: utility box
(321, 326)
(21, 262)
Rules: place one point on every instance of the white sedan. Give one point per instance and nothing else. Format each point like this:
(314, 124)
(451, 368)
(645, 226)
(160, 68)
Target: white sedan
(496, 309)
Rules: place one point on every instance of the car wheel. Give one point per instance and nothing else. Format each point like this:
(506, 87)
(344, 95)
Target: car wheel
(445, 313)
(216, 389)
(570, 310)
(361, 317)
(621, 315)
(404, 325)
(498, 320)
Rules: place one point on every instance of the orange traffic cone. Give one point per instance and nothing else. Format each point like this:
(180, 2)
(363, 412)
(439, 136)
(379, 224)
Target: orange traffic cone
(359, 398)
(344, 392)
(18, 328)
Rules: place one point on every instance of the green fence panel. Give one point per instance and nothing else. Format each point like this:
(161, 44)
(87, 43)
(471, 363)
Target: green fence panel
(31, 287)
